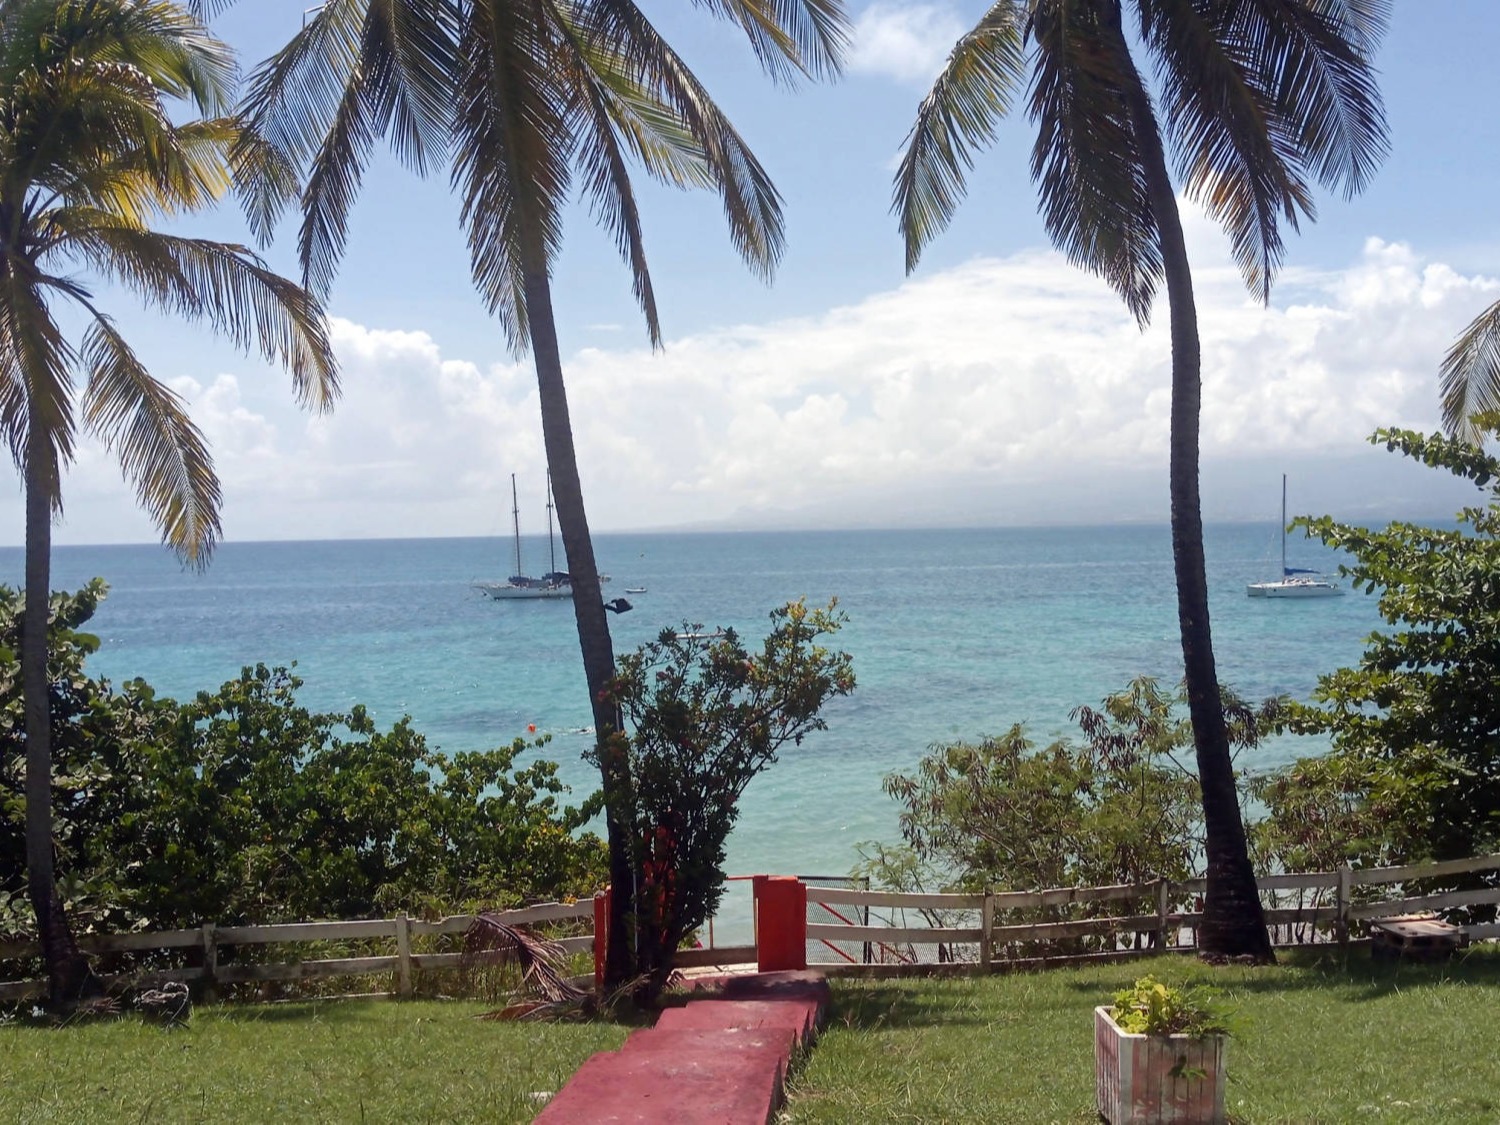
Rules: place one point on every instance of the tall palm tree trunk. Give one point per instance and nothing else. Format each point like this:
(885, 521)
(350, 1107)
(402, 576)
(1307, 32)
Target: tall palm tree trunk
(68, 975)
(588, 609)
(1233, 920)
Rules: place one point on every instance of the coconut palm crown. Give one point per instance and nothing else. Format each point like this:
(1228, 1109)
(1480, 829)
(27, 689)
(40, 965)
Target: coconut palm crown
(526, 104)
(90, 158)
(1256, 101)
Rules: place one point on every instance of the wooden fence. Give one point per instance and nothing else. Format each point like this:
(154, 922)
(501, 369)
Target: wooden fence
(202, 948)
(1300, 907)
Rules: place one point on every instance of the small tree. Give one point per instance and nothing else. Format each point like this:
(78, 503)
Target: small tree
(704, 718)
(1416, 725)
(1118, 807)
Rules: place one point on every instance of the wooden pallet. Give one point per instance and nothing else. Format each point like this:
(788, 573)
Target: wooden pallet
(1413, 937)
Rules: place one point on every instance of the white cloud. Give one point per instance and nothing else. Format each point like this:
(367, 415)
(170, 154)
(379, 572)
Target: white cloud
(907, 42)
(966, 395)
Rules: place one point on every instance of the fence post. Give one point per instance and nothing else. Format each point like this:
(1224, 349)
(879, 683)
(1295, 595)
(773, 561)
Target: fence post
(1163, 901)
(403, 957)
(601, 938)
(1341, 901)
(987, 932)
(780, 923)
(210, 963)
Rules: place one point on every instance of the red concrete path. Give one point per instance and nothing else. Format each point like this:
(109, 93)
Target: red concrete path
(716, 1061)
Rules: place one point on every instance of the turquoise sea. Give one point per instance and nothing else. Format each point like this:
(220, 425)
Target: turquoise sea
(953, 633)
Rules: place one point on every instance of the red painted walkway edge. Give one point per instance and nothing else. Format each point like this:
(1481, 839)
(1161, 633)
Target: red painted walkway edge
(718, 1060)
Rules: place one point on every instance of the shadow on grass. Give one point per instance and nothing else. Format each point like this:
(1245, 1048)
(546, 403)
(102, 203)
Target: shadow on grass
(330, 1010)
(891, 1006)
(1352, 973)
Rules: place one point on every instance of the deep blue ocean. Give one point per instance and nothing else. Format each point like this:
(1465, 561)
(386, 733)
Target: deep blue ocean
(954, 634)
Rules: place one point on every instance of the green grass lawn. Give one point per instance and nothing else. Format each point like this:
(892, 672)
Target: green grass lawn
(346, 1060)
(1317, 1040)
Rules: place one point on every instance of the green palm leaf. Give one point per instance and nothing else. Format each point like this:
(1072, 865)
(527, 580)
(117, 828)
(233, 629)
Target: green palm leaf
(37, 399)
(161, 451)
(512, 153)
(1087, 161)
(752, 206)
(1470, 378)
(1222, 120)
(984, 70)
(790, 37)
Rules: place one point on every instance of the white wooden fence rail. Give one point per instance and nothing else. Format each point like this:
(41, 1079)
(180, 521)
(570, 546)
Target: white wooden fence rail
(1333, 902)
(209, 939)
(1339, 900)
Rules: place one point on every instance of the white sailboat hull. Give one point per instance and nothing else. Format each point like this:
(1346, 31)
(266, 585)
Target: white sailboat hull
(1305, 588)
(505, 592)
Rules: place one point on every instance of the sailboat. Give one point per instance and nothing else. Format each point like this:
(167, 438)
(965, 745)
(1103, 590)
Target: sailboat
(1295, 582)
(553, 584)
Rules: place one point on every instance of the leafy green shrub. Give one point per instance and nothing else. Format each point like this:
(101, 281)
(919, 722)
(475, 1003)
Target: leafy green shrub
(705, 717)
(1120, 806)
(1413, 725)
(243, 807)
(1150, 1007)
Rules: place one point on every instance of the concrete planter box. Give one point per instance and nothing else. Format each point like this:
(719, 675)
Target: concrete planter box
(1143, 1079)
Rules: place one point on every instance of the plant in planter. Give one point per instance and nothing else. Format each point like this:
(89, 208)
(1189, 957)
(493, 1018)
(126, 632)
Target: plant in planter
(1159, 1056)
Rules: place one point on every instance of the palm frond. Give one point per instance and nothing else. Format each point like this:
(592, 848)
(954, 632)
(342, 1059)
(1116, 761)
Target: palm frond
(412, 45)
(1316, 56)
(983, 72)
(36, 397)
(265, 181)
(752, 206)
(1223, 124)
(77, 118)
(490, 940)
(607, 101)
(360, 70)
(184, 169)
(224, 284)
(162, 453)
(790, 38)
(293, 97)
(1470, 378)
(333, 184)
(1086, 160)
(513, 150)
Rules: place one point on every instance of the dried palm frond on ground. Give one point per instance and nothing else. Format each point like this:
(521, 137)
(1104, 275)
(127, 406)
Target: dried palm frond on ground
(490, 942)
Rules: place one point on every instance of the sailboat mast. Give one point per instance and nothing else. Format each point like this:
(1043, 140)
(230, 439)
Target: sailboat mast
(1283, 525)
(515, 516)
(551, 542)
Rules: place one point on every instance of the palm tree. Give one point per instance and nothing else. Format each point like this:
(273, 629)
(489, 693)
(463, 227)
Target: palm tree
(524, 100)
(89, 156)
(1471, 376)
(1254, 99)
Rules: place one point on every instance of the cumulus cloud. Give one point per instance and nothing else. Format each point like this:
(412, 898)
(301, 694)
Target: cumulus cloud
(907, 42)
(998, 378)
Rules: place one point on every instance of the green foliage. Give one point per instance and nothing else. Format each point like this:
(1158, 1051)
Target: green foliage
(242, 806)
(1149, 1007)
(705, 717)
(1118, 807)
(1320, 814)
(1414, 725)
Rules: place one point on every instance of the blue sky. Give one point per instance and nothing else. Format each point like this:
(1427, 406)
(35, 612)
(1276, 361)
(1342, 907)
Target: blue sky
(995, 385)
